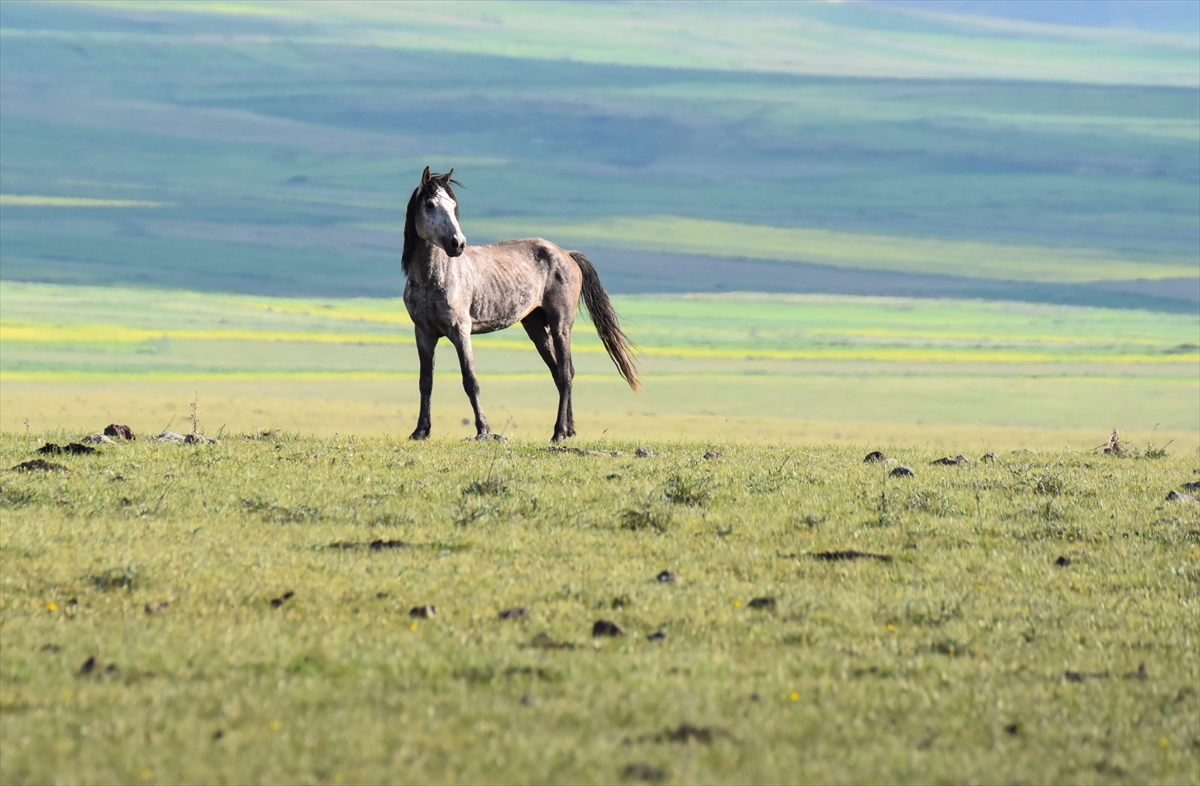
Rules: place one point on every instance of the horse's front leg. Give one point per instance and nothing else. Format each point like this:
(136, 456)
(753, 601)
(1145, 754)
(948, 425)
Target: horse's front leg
(466, 360)
(426, 345)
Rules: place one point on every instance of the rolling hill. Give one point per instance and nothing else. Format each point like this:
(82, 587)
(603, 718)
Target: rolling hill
(855, 148)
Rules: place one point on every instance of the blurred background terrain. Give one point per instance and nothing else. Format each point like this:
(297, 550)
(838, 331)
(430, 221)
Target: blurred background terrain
(1045, 153)
(270, 149)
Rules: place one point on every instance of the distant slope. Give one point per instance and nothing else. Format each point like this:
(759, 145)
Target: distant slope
(260, 147)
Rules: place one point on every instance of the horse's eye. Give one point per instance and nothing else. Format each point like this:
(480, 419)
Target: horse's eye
(429, 203)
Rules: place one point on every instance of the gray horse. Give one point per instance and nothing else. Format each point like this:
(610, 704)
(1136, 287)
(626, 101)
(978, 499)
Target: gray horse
(455, 290)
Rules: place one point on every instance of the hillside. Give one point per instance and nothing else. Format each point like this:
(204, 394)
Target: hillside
(861, 149)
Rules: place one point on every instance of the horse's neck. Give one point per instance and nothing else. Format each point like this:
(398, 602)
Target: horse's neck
(428, 264)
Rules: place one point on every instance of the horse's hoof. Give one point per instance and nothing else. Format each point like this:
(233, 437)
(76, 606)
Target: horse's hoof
(419, 436)
(561, 438)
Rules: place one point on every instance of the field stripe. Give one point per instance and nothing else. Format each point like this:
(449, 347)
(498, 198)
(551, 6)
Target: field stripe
(114, 334)
(26, 200)
(969, 259)
(350, 376)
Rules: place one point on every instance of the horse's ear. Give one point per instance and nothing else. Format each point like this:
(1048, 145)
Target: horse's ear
(425, 176)
(449, 176)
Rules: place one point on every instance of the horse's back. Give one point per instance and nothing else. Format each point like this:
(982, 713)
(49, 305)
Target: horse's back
(533, 261)
(515, 277)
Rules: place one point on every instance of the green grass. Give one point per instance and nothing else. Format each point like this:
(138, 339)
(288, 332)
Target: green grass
(968, 657)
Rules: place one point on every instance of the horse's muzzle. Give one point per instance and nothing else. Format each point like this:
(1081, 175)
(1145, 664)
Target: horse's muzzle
(454, 248)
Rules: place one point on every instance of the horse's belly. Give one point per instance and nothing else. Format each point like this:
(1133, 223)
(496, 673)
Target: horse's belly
(492, 325)
(494, 311)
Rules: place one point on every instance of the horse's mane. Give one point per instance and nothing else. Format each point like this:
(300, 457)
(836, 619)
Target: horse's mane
(426, 190)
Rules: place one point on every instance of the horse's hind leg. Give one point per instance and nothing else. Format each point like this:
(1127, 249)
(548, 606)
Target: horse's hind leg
(560, 336)
(466, 359)
(538, 328)
(426, 345)
(538, 331)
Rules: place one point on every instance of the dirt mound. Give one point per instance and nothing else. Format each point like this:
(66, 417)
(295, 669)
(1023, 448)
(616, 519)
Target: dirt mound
(39, 465)
(902, 472)
(875, 457)
(119, 431)
(835, 556)
(74, 449)
(544, 641)
(950, 462)
(375, 545)
(607, 628)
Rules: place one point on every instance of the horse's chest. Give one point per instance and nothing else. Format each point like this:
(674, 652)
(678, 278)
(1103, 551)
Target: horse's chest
(427, 306)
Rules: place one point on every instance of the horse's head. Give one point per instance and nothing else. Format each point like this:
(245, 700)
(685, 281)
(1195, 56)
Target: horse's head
(433, 210)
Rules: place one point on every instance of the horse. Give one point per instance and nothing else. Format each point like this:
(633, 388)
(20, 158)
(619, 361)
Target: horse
(455, 290)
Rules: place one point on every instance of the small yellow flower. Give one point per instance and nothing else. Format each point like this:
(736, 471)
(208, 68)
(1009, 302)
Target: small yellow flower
(795, 697)
(276, 725)
(1163, 743)
(54, 607)
(737, 603)
(413, 626)
(891, 627)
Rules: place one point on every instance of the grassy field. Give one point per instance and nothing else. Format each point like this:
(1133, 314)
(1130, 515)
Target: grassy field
(198, 229)
(267, 148)
(284, 648)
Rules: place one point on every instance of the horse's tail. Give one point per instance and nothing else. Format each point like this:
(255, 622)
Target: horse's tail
(605, 320)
